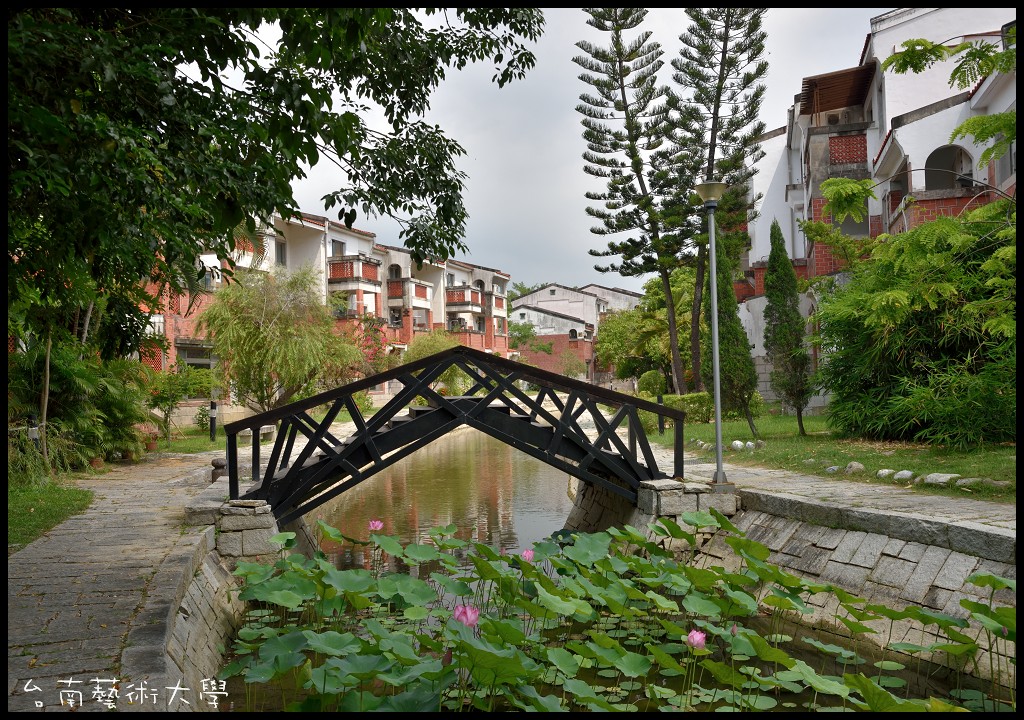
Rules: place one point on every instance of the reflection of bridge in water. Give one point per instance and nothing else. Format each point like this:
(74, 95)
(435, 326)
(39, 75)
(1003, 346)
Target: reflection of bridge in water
(547, 421)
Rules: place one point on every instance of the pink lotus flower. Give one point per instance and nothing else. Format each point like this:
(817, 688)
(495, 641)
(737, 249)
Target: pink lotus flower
(528, 555)
(733, 630)
(696, 639)
(376, 525)
(467, 615)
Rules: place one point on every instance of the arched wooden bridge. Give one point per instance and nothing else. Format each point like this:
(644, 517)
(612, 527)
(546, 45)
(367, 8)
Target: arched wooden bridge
(544, 422)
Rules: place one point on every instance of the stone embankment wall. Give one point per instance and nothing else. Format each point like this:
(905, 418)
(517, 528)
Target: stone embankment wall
(885, 560)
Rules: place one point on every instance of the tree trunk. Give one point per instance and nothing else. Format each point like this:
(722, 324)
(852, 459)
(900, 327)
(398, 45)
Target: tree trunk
(44, 402)
(678, 378)
(698, 294)
(800, 421)
(750, 422)
(85, 328)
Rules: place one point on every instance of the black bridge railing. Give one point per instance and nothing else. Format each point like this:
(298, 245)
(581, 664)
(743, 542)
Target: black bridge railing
(539, 412)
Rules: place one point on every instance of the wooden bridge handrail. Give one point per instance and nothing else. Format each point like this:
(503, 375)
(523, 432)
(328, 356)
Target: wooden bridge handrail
(530, 373)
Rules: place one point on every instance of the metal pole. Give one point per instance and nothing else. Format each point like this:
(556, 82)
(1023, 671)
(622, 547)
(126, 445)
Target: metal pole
(213, 420)
(720, 483)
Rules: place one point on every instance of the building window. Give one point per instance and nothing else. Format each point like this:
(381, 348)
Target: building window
(572, 334)
(337, 248)
(498, 289)
(522, 316)
(280, 253)
(395, 272)
(196, 356)
(1006, 165)
(551, 291)
(450, 279)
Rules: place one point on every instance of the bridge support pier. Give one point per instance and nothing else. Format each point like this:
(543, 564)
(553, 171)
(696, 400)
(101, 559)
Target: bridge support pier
(595, 509)
(244, 531)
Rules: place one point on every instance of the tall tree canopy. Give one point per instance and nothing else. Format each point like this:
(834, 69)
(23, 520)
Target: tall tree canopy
(630, 146)
(719, 89)
(784, 330)
(138, 138)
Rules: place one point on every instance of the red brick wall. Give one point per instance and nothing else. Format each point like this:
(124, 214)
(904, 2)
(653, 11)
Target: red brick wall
(340, 270)
(923, 211)
(421, 291)
(759, 280)
(370, 271)
(844, 149)
(583, 349)
(875, 225)
(743, 290)
(394, 288)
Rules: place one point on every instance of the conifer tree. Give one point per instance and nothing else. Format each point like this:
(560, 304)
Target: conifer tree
(629, 143)
(718, 74)
(784, 330)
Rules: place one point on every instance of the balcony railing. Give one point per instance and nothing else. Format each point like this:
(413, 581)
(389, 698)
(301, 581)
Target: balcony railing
(353, 267)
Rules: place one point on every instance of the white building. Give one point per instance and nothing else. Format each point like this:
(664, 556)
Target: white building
(865, 123)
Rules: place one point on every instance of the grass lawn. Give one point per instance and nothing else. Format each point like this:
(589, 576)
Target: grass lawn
(785, 449)
(35, 508)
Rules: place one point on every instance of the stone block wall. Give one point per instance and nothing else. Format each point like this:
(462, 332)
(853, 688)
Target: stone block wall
(882, 570)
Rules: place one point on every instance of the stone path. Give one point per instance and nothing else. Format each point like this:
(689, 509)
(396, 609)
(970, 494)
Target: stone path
(79, 595)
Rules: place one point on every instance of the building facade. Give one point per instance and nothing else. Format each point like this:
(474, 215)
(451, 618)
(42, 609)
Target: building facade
(570, 319)
(367, 280)
(894, 129)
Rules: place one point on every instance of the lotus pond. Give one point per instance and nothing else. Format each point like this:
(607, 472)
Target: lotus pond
(607, 621)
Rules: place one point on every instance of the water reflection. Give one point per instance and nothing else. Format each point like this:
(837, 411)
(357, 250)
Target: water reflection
(493, 493)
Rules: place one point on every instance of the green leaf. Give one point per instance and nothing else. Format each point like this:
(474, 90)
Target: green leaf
(331, 642)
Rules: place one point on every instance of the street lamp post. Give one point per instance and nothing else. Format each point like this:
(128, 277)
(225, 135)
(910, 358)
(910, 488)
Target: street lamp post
(711, 192)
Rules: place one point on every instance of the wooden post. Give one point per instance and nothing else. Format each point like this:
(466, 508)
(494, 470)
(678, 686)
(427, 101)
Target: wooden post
(232, 461)
(678, 425)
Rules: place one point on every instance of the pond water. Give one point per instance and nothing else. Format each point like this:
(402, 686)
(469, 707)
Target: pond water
(493, 493)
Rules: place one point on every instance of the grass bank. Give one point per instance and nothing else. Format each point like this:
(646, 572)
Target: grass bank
(35, 508)
(811, 454)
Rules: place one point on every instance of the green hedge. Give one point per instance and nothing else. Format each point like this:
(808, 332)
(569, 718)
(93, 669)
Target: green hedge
(699, 408)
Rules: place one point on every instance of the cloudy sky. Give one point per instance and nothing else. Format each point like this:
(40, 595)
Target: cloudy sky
(524, 144)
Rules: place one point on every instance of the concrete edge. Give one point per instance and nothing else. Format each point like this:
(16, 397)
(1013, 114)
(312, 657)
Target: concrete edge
(971, 538)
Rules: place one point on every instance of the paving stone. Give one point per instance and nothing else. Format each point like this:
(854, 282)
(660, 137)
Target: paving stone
(892, 571)
(955, 571)
(846, 548)
(869, 550)
(924, 574)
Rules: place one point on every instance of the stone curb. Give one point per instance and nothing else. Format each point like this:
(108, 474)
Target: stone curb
(971, 538)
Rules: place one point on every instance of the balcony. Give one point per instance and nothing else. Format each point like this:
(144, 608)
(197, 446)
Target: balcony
(498, 304)
(353, 272)
(464, 299)
(408, 292)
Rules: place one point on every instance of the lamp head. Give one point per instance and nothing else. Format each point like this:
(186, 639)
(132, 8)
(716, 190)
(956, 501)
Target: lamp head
(711, 191)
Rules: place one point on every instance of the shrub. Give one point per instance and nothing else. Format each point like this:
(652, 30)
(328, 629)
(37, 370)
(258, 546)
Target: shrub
(202, 417)
(364, 402)
(651, 382)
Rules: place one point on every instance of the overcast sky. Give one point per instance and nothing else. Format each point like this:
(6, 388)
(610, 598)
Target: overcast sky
(524, 144)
